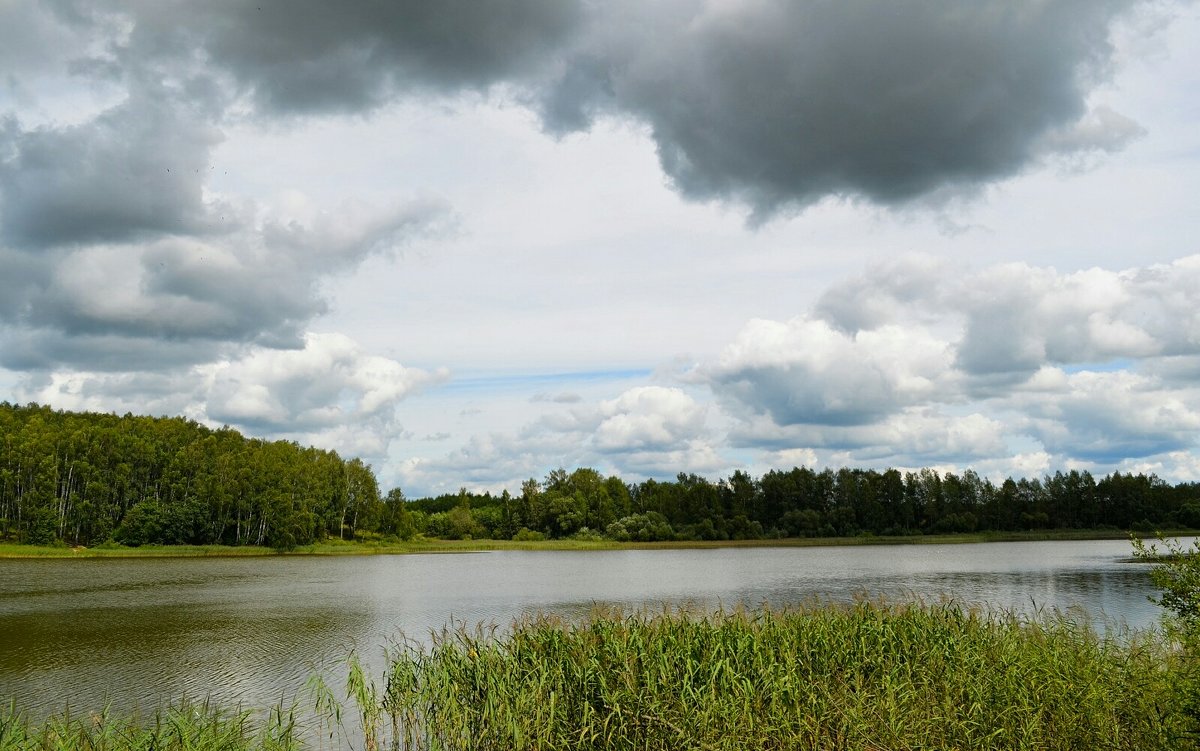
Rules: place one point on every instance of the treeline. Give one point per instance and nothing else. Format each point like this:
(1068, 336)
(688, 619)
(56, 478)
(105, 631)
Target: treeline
(804, 502)
(86, 479)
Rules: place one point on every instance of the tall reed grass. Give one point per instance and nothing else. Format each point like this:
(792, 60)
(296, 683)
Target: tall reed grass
(867, 676)
(183, 727)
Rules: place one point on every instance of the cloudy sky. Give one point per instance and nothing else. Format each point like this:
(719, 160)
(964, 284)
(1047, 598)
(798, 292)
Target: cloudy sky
(474, 241)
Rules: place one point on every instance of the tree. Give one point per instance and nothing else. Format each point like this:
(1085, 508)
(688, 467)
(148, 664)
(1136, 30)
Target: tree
(396, 519)
(1175, 571)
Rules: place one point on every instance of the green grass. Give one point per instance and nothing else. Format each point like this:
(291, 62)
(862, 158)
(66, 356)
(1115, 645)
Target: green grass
(14, 550)
(326, 548)
(381, 547)
(824, 677)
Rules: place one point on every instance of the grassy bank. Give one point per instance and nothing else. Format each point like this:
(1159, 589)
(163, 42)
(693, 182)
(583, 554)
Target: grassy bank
(867, 676)
(14, 550)
(331, 547)
(379, 547)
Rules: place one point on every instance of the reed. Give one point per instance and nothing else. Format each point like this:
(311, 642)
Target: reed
(825, 677)
(183, 727)
(869, 676)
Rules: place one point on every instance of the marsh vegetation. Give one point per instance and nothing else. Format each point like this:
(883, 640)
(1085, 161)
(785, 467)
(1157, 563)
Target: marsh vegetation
(863, 676)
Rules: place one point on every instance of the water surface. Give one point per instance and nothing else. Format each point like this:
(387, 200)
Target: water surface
(139, 632)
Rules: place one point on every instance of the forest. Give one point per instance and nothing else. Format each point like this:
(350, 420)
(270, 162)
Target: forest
(81, 478)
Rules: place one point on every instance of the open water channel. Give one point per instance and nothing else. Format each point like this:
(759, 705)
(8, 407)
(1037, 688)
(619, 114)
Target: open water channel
(136, 633)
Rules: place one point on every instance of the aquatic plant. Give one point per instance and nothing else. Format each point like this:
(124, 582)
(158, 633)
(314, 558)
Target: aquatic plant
(185, 726)
(824, 677)
(863, 676)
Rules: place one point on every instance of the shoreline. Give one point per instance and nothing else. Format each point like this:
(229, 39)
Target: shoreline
(337, 547)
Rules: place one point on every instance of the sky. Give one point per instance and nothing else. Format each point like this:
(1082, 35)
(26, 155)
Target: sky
(471, 242)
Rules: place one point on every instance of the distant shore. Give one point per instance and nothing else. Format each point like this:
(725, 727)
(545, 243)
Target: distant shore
(381, 547)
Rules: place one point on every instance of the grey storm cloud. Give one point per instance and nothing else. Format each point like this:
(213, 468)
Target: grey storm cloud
(769, 103)
(31, 37)
(305, 56)
(103, 305)
(133, 171)
(774, 104)
(780, 103)
(113, 249)
(34, 349)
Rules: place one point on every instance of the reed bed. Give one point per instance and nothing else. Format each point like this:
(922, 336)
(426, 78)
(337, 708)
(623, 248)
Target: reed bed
(183, 727)
(868, 676)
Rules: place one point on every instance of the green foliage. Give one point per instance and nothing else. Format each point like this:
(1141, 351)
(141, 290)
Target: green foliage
(85, 478)
(802, 502)
(183, 727)
(866, 676)
(648, 527)
(41, 527)
(1175, 571)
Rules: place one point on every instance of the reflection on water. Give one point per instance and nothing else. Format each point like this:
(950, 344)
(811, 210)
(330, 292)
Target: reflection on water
(137, 632)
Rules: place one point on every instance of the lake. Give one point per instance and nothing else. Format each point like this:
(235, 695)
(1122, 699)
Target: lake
(139, 632)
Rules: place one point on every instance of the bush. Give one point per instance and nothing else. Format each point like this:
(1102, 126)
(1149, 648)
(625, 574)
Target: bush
(649, 527)
(587, 534)
(41, 527)
(1176, 572)
(525, 534)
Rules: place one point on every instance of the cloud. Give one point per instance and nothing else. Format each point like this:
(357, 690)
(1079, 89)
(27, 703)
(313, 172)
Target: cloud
(772, 104)
(652, 429)
(190, 297)
(1018, 318)
(647, 418)
(806, 372)
(646, 430)
(914, 363)
(1108, 417)
(1007, 321)
(1102, 129)
(562, 397)
(155, 393)
(917, 436)
(306, 56)
(1181, 464)
(115, 244)
(32, 37)
(49, 350)
(777, 104)
(136, 170)
(896, 290)
(330, 382)
(330, 393)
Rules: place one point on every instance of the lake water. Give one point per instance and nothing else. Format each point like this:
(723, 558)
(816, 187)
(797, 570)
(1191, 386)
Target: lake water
(140, 632)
